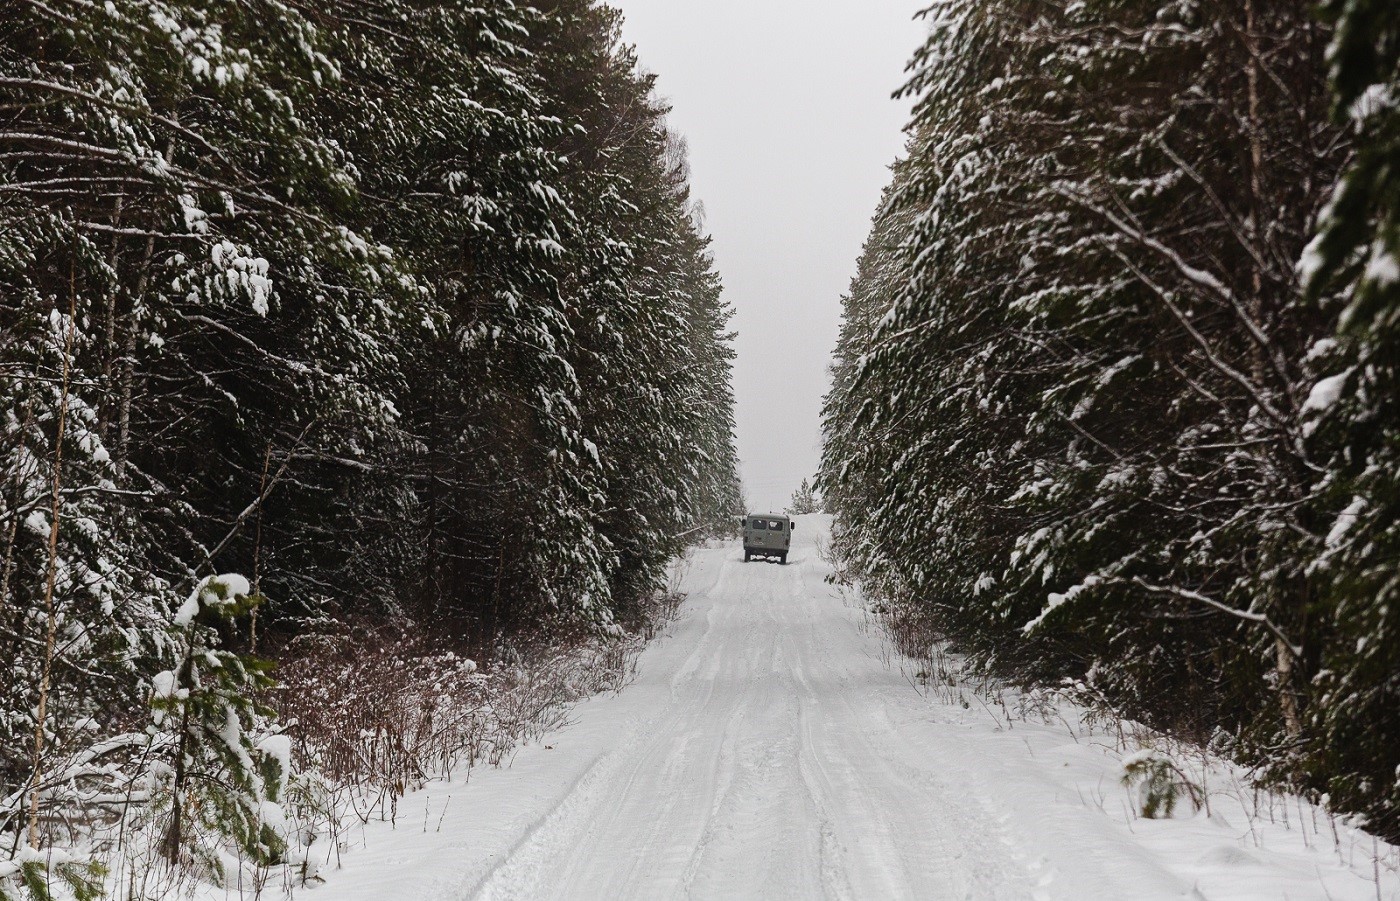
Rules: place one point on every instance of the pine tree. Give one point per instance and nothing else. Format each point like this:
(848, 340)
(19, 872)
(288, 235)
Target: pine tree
(804, 500)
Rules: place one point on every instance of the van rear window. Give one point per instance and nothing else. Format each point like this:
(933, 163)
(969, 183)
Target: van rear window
(775, 525)
(759, 525)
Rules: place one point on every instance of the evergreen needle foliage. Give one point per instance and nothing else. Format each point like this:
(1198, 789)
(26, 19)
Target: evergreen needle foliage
(212, 776)
(804, 500)
(31, 876)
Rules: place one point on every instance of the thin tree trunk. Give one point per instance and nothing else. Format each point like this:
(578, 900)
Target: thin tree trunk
(51, 633)
(109, 346)
(257, 554)
(1283, 654)
(495, 626)
(129, 351)
(129, 363)
(174, 835)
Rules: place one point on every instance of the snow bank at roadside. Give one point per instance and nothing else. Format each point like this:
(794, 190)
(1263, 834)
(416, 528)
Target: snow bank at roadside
(1058, 770)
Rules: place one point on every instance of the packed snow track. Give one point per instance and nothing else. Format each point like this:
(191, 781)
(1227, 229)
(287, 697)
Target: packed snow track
(769, 748)
(768, 769)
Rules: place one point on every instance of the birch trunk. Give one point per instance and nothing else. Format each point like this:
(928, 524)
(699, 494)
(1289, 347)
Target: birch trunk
(128, 363)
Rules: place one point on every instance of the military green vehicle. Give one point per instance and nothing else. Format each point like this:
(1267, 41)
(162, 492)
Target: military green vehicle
(767, 535)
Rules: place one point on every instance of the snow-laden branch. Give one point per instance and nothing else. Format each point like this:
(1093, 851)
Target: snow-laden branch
(1210, 285)
(1058, 600)
(1196, 597)
(1284, 424)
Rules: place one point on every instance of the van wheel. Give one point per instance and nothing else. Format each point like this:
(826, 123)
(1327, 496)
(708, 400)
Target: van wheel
(782, 559)
(747, 557)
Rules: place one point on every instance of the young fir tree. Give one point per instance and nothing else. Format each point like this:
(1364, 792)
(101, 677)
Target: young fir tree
(43, 875)
(217, 780)
(804, 500)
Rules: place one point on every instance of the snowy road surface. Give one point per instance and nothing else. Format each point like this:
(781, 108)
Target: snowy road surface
(769, 750)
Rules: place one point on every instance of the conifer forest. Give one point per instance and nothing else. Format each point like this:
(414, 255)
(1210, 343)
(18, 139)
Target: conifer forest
(1115, 400)
(400, 310)
(366, 390)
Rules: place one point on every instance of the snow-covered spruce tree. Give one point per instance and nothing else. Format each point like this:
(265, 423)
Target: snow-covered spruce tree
(152, 160)
(525, 215)
(217, 773)
(74, 599)
(1171, 481)
(457, 155)
(185, 116)
(275, 326)
(539, 390)
(59, 589)
(1353, 419)
(921, 438)
(379, 376)
(849, 479)
(651, 351)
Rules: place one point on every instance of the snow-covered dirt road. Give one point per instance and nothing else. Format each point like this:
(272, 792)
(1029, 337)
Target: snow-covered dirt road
(768, 749)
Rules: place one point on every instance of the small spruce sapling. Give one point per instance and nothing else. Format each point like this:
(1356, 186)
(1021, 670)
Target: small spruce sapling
(1160, 784)
(35, 874)
(220, 783)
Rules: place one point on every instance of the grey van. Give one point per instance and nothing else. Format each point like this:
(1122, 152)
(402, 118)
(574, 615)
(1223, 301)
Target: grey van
(767, 535)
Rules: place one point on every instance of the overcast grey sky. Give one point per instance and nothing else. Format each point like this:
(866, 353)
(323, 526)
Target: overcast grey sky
(786, 105)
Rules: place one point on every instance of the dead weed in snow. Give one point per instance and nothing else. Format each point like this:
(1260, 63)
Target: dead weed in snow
(379, 713)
